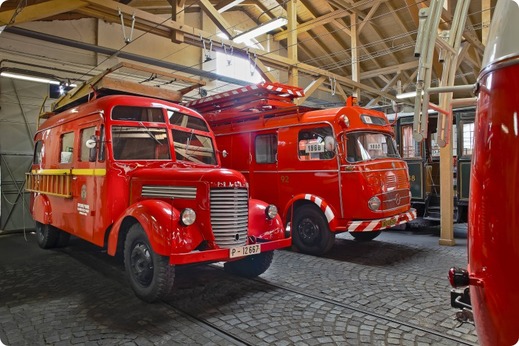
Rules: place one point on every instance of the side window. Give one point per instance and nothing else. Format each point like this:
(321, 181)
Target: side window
(316, 144)
(130, 113)
(38, 153)
(410, 147)
(266, 148)
(467, 139)
(102, 144)
(67, 147)
(87, 152)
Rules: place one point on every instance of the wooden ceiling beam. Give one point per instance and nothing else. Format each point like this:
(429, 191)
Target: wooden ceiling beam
(40, 11)
(390, 69)
(216, 17)
(319, 21)
(108, 10)
(311, 88)
(368, 17)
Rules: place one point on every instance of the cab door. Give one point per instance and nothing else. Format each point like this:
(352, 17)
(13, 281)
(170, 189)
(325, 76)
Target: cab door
(264, 167)
(88, 177)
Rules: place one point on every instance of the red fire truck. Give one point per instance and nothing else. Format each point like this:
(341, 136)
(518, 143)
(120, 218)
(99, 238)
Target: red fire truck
(487, 290)
(141, 177)
(327, 170)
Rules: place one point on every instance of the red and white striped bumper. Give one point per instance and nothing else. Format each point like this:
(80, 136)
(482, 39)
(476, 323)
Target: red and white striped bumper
(377, 225)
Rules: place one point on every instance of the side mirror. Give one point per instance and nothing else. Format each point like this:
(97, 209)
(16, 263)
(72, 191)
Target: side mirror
(91, 144)
(225, 153)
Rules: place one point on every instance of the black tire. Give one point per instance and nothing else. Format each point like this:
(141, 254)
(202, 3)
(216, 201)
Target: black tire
(46, 235)
(63, 239)
(250, 266)
(365, 236)
(151, 277)
(310, 231)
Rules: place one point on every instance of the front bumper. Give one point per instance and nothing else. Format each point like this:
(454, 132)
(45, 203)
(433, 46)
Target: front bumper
(380, 224)
(218, 255)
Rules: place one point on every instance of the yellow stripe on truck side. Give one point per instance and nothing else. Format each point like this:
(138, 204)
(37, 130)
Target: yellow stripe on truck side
(75, 171)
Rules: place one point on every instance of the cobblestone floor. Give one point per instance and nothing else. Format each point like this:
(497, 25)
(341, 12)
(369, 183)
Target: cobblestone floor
(390, 291)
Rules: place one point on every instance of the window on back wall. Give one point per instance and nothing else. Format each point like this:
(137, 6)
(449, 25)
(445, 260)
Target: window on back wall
(230, 65)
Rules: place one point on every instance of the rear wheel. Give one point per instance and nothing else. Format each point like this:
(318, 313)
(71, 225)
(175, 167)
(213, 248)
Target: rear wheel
(150, 274)
(310, 232)
(46, 235)
(250, 266)
(365, 236)
(63, 239)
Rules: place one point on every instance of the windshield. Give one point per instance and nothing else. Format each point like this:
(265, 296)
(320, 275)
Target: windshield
(140, 143)
(363, 146)
(193, 147)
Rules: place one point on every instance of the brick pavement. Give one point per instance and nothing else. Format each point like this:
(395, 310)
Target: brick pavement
(79, 296)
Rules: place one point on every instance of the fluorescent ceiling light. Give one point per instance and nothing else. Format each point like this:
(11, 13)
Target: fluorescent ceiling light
(230, 5)
(261, 29)
(407, 95)
(33, 79)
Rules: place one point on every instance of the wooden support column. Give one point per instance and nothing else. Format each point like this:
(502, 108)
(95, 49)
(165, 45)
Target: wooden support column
(177, 15)
(293, 73)
(355, 66)
(446, 183)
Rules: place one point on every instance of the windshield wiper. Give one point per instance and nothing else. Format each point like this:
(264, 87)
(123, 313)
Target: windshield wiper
(189, 142)
(149, 133)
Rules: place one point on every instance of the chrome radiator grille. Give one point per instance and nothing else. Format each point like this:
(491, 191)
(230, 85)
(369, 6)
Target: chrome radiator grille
(229, 216)
(164, 191)
(396, 179)
(394, 199)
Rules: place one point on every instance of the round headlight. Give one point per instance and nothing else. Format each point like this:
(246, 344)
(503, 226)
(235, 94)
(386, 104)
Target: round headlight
(188, 217)
(374, 203)
(271, 211)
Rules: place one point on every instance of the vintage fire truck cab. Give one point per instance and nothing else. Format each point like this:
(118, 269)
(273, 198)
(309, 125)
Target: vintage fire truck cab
(327, 170)
(141, 177)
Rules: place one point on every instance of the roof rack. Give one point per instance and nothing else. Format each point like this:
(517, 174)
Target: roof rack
(249, 102)
(133, 79)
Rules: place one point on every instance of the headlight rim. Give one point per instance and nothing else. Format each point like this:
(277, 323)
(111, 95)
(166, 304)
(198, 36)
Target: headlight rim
(185, 219)
(374, 203)
(271, 211)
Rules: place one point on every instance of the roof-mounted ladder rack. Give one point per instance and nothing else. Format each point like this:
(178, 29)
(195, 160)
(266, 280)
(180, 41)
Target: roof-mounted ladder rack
(252, 101)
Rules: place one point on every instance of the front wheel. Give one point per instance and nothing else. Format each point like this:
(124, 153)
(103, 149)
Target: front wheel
(310, 232)
(46, 235)
(151, 276)
(250, 266)
(365, 236)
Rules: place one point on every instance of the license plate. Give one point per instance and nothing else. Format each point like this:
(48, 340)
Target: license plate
(388, 222)
(246, 250)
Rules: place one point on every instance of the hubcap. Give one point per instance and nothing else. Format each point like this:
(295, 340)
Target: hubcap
(142, 264)
(308, 231)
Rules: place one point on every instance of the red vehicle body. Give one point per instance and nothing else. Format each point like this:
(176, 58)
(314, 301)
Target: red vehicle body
(327, 170)
(493, 228)
(140, 176)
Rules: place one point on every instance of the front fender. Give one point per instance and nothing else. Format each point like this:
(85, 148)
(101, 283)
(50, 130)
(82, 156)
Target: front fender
(326, 208)
(161, 223)
(260, 226)
(41, 209)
